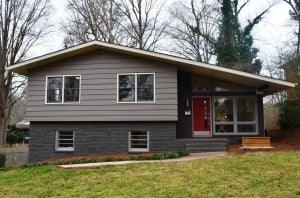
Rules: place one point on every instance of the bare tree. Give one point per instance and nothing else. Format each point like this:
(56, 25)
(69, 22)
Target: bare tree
(22, 24)
(93, 20)
(195, 30)
(295, 16)
(144, 26)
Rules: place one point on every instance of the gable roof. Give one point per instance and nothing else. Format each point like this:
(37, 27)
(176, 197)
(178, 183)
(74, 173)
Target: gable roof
(268, 85)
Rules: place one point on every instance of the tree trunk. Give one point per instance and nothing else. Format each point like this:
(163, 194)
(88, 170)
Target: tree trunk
(2, 132)
(298, 42)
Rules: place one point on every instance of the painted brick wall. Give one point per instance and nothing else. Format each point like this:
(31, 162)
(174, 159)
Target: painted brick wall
(98, 138)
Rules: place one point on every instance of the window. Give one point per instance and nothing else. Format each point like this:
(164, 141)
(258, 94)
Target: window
(200, 85)
(134, 88)
(62, 89)
(219, 86)
(64, 140)
(138, 141)
(235, 115)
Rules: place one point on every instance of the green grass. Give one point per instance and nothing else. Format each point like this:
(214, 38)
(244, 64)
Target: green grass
(251, 175)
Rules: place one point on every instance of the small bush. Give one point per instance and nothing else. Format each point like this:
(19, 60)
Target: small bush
(289, 114)
(11, 127)
(2, 160)
(11, 138)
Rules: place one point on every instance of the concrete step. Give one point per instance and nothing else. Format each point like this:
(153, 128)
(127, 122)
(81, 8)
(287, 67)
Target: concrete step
(202, 146)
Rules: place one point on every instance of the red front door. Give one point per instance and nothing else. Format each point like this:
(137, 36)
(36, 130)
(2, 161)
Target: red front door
(201, 116)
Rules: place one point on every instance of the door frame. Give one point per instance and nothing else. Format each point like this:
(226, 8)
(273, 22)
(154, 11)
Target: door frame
(207, 134)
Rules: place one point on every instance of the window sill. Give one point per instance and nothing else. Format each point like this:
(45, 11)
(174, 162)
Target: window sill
(138, 150)
(64, 150)
(142, 102)
(59, 103)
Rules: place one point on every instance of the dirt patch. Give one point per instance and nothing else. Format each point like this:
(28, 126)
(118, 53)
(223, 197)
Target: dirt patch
(281, 141)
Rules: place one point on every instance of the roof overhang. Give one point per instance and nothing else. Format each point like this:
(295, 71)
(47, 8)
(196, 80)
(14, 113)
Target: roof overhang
(265, 84)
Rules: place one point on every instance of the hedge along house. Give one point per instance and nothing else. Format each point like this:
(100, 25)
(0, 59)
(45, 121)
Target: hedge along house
(104, 98)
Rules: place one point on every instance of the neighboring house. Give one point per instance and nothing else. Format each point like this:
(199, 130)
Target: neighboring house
(103, 98)
(292, 74)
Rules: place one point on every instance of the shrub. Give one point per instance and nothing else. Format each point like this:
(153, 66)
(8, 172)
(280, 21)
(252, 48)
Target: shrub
(20, 137)
(11, 138)
(289, 114)
(11, 127)
(2, 160)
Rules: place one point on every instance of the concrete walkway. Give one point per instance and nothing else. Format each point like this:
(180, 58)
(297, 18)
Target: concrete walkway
(190, 157)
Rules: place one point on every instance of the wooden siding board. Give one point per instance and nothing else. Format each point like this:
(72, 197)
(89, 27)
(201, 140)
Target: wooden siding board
(89, 107)
(102, 118)
(89, 97)
(98, 72)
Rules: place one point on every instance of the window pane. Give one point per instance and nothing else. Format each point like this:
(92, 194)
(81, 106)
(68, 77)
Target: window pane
(145, 87)
(246, 128)
(126, 88)
(223, 109)
(71, 88)
(200, 85)
(224, 128)
(219, 86)
(245, 109)
(54, 90)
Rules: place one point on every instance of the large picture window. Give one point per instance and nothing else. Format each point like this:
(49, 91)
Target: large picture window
(138, 141)
(136, 88)
(235, 115)
(62, 89)
(64, 140)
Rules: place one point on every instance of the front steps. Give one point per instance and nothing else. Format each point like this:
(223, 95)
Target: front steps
(197, 145)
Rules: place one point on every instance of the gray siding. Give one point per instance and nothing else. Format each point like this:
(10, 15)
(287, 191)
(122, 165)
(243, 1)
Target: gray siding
(99, 138)
(98, 72)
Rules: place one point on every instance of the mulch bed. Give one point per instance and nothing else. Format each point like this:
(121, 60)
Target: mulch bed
(285, 141)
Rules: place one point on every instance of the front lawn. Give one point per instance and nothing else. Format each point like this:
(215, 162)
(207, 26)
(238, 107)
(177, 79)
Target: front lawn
(250, 175)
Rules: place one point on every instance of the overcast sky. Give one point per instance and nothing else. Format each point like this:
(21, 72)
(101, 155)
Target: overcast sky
(269, 33)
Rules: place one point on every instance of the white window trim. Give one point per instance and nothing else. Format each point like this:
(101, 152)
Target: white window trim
(137, 150)
(135, 92)
(235, 123)
(63, 92)
(57, 148)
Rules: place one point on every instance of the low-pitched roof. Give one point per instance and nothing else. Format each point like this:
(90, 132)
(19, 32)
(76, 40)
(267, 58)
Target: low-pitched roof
(269, 85)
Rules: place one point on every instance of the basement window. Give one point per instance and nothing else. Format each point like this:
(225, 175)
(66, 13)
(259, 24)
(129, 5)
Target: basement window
(64, 140)
(138, 141)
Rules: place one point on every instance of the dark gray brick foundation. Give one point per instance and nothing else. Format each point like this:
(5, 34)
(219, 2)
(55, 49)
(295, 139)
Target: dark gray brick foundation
(98, 138)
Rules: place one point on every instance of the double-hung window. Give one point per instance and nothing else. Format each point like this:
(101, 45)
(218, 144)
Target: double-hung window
(137, 87)
(63, 89)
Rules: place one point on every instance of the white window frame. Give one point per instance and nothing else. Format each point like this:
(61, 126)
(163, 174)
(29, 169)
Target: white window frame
(135, 88)
(63, 90)
(57, 148)
(137, 150)
(235, 122)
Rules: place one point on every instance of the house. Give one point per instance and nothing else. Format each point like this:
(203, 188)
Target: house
(292, 74)
(105, 98)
